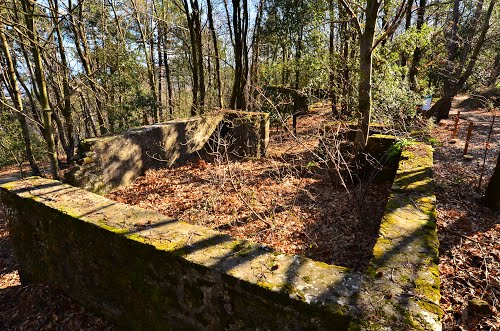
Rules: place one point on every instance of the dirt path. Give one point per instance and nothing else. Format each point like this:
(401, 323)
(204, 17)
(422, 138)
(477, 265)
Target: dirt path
(469, 233)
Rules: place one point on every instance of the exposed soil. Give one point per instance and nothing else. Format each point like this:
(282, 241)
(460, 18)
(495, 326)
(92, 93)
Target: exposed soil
(284, 201)
(469, 233)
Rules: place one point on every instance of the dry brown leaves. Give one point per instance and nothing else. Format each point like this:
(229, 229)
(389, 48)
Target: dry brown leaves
(469, 233)
(280, 201)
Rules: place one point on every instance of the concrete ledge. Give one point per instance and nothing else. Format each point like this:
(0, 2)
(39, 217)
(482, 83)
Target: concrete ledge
(146, 271)
(403, 276)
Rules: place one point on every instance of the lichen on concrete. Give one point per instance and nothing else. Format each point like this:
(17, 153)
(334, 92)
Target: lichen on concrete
(404, 273)
(147, 271)
(107, 162)
(136, 266)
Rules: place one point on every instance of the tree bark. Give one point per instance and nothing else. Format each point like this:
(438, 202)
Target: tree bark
(240, 27)
(83, 53)
(220, 102)
(331, 52)
(18, 102)
(442, 107)
(492, 196)
(417, 52)
(66, 109)
(28, 8)
(495, 72)
(194, 59)
(365, 73)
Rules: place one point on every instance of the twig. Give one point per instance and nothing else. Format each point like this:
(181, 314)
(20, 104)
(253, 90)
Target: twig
(241, 198)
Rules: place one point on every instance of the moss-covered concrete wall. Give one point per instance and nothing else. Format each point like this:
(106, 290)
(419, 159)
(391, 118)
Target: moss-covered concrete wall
(146, 271)
(108, 162)
(403, 277)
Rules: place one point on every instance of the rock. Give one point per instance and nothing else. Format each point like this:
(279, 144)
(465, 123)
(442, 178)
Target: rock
(480, 306)
(453, 141)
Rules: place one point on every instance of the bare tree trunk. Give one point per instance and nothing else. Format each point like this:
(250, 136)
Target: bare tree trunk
(28, 8)
(83, 53)
(240, 27)
(331, 52)
(495, 72)
(404, 56)
(442, 107)
(18, 102)
(255, 54)
(220, 102)
(168, 78)
(492, 196)
(66, 109)
(194, 59)
(196, 18)
(148, 49)
(417, 53)
(365, 73)
(298, 56)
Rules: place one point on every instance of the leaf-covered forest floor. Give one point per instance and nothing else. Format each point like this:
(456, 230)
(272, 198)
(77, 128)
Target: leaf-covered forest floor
(281, 202)
(469, 233)
(284, 201)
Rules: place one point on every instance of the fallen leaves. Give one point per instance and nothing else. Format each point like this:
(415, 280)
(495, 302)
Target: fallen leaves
(469, 233)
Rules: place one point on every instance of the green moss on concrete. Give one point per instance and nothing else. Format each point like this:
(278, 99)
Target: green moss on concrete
(405, 256)
(151, 278)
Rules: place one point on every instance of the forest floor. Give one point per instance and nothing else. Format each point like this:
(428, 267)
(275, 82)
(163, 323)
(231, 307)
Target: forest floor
(286, 200)
(287, 186)
(469, 233)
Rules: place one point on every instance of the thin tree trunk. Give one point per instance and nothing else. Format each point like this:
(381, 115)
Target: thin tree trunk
(331, 52)
(66, 109)
(298, 56)
(495, 71)
(194, 59)
(196, 18)
(220, 102)
(28, 8)
(83, 53)
(442, 107)
(417, 53)
(404, 56)
(168, 78)
(365, 73)
(492, 196)
(18, 102)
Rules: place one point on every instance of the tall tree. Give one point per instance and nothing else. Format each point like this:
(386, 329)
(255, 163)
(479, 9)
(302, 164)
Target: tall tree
(217, 54)
(455, 78)
(43, 97)
(17, 100)
(367, 45)
(240, 22)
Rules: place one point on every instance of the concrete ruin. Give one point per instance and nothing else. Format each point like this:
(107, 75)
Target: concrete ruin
(146, 271)
(108, 162)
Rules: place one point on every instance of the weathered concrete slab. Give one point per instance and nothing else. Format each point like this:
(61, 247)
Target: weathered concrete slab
(403, 278)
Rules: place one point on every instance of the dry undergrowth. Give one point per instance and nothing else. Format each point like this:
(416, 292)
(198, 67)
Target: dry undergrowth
(469, 254)
(284, 201)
